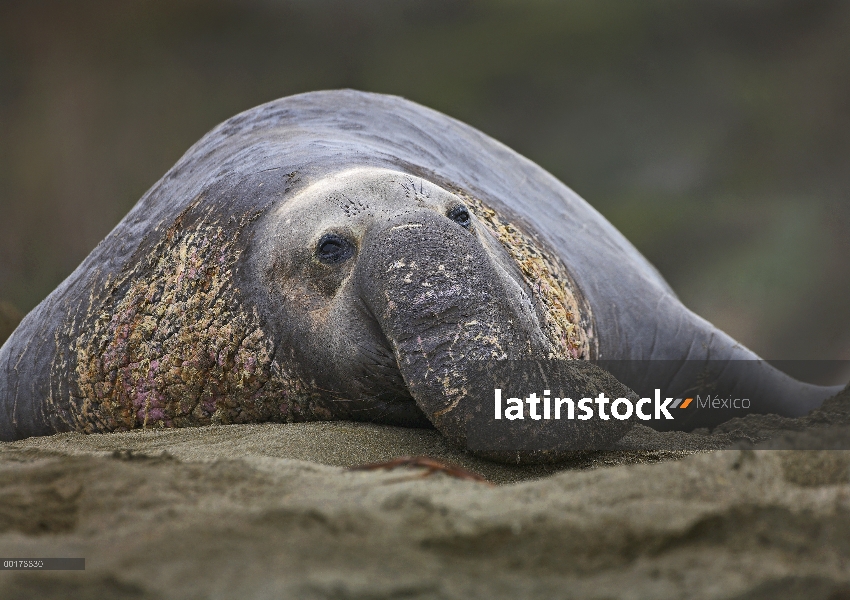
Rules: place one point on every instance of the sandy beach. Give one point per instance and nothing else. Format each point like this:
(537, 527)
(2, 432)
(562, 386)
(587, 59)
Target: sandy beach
(271, 511)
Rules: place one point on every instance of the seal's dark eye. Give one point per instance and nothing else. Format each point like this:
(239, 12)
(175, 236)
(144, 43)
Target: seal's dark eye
(333, 249)
(460, 215)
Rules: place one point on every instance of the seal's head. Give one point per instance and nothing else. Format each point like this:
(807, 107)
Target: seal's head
(388, 289)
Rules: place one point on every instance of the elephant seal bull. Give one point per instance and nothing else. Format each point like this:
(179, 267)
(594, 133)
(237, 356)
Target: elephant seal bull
(345, 255)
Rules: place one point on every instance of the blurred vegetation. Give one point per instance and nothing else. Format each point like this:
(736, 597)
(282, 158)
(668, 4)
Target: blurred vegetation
(9, 319)
(714, 133)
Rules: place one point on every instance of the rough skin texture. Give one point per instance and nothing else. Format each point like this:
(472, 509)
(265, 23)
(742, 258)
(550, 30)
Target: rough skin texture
(568, 321)
(171, 344)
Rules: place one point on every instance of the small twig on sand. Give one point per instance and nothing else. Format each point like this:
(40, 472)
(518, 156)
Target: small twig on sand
(430, 464)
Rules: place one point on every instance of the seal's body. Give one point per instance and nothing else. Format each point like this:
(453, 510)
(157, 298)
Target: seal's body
(343, 255)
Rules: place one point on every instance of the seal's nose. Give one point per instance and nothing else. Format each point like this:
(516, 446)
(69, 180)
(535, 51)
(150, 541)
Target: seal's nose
(429, 279)
(427, 266)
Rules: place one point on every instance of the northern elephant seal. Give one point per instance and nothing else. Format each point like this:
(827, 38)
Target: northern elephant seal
(345, 255)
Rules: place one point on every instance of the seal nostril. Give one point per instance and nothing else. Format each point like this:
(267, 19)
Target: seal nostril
(333, 249)
(460, 215)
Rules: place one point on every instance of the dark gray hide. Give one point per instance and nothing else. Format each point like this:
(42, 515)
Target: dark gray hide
(168, 304)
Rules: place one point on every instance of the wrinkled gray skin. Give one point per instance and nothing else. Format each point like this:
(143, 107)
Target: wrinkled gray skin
(390, 327)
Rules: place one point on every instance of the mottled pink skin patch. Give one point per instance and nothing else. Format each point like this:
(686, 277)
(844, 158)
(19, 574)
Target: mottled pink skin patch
(567, 318)
(172, 345)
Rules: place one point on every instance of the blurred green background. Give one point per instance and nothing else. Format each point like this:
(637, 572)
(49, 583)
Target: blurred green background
(715, 134)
